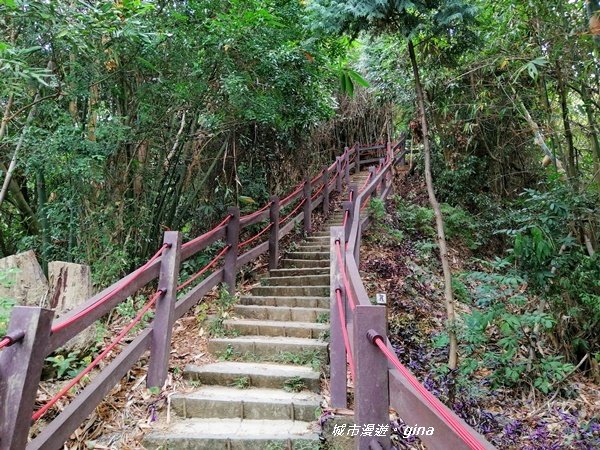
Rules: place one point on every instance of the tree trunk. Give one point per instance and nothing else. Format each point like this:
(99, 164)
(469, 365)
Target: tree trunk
(571, 156)
(13, 162)
(439, 219)
(593, 134)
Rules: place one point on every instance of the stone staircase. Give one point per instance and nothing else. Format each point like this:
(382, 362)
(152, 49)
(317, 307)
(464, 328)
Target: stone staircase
(265, 395)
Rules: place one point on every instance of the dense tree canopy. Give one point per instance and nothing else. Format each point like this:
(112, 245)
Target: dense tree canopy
(121, 119)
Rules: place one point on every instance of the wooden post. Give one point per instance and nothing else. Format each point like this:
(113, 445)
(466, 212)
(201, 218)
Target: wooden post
(232, 237)
(338, 372)
(357, 159)
(347, 168)
(371, 386)
(162, 327)
(274, 234)
(307, 205)
(388, 150)
(338, 174)
(348, 206)
(372, 171)
(325, 191)
(20, 371)
(383, 185)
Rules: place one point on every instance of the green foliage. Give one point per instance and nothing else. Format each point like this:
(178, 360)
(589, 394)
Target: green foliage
(224, 305)
(6, 304)
(420, 221)
(295, 384)
(69, 365)
(382, 232)
(305, 358)
(241, 383)
(500, 336)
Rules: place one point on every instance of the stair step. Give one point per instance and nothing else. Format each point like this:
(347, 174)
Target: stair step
(298, 280)
(316, 239)
(308, 255)
(279, 313)
(314, 248)
(295, 291)
(266, 347)
(233, 434)
(304, 302)
(304, 263)
(260, 375)
(300, 272)
(299, 329)
(248, 403)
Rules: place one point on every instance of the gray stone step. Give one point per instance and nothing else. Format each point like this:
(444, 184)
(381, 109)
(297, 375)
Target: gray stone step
(297, 280)
(248, 403)
(300, 272)
(304, 302)
(304, 263)
(295, 291)
(281, 313)
(307, 255)
(322, 233)
(233, 434)
(310, 330)
(314, 248)
(265, 347)
(260, 375)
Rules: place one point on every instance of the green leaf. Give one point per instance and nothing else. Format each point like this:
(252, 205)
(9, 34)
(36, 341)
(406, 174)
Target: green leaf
(357, 78)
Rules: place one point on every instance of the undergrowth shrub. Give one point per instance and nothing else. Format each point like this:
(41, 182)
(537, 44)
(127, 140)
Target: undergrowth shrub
(6, 304)
(420, 220)
(503, 337)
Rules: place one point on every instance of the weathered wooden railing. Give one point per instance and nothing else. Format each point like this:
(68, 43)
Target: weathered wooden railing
(358, 336)
(33, 332)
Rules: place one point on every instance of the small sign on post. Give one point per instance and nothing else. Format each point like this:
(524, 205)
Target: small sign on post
(381, 299)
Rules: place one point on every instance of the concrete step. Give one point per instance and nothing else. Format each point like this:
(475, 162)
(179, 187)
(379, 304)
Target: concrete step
(233, 434)
(321, 233)
(303, 302)
(292, 291)
(259, 375)
(248, 403)
(281, 313)
(313, 248)
(297, 280)
(300, 272)
(265, 347)
(304, 263)
(307, 255)
(247, 327)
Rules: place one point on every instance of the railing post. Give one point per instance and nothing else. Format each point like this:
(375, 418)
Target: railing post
(371, 386)
(325, 190)
(338, 372)
(357, 160)
(338, 174)
(372, 175)
(348, 206)
(20, 372)
(274, 234)
(383, 185)
(388, 151)
(347, 168)
(307, 205)
(232, 238)
(162, 328)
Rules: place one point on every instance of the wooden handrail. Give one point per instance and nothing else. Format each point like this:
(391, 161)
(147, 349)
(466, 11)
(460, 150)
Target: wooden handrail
(376, 390)
(25, 361)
